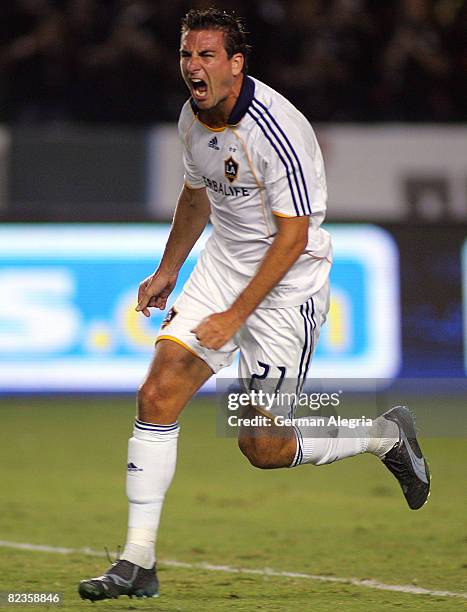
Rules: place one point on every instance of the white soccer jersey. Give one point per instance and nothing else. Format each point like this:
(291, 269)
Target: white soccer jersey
(266, 162)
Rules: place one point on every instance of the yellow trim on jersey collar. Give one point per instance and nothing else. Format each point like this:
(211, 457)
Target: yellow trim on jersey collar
(211, 129)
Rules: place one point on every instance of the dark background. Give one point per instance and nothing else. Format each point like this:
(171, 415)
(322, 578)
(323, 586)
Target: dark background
(338, 60)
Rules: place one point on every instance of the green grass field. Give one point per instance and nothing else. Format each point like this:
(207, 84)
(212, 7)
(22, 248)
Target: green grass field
(62, 474)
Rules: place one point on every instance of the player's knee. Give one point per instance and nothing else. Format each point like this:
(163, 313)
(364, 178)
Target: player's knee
(258, 452)
(153, 396)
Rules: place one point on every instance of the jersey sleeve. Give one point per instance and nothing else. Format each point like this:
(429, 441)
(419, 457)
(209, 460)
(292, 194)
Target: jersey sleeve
(192, 176)
(290, 175)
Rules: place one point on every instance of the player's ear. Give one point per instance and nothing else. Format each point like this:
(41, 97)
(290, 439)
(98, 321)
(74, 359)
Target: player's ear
(237, 61)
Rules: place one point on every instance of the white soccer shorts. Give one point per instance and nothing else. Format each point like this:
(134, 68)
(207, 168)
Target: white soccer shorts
(274, 343)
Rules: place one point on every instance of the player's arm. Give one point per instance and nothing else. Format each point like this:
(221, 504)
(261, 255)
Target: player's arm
(289, 243)
(190, 219)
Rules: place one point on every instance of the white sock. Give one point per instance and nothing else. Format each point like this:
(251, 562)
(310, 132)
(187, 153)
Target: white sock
(313, 446)
(320, 449)
(152, 456)
(383, 435)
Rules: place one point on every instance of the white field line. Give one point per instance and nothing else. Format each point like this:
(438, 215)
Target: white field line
(371, 584)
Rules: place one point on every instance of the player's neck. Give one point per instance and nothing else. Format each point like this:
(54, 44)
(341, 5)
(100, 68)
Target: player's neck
(217, 117)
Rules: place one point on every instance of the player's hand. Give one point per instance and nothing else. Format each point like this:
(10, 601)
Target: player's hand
(154, 291)
(217, 329)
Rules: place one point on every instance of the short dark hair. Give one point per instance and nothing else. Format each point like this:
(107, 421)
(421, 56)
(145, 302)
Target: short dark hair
(235, 34)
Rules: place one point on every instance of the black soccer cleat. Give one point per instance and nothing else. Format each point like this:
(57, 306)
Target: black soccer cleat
(405, 459)
(122, 578)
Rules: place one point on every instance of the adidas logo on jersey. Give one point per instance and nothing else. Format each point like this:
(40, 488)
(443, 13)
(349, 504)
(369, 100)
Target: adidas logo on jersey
(213, 144)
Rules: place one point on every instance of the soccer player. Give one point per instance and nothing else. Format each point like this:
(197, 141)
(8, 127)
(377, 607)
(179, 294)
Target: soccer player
(253, 168)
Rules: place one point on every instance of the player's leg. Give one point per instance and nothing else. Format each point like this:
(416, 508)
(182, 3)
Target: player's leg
(173, 378)
(180, 366)
(276, 346)
(277, 350)
(266, 346)
(266, 446)
(391, 437)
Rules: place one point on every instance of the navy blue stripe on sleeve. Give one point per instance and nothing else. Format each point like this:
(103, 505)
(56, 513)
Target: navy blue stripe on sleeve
(282, 143)
(290, 171)
(290, 147)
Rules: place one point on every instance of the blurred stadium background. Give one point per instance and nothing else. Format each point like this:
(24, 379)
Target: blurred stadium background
(90, 170)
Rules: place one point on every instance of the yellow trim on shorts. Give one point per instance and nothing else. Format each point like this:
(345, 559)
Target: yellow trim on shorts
(185, 346)
(180, 342)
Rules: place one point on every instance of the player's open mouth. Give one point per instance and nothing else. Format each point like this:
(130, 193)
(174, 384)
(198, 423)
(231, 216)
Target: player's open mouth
(199, 89)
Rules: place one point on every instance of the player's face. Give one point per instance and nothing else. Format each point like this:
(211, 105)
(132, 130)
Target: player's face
(208, 72)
